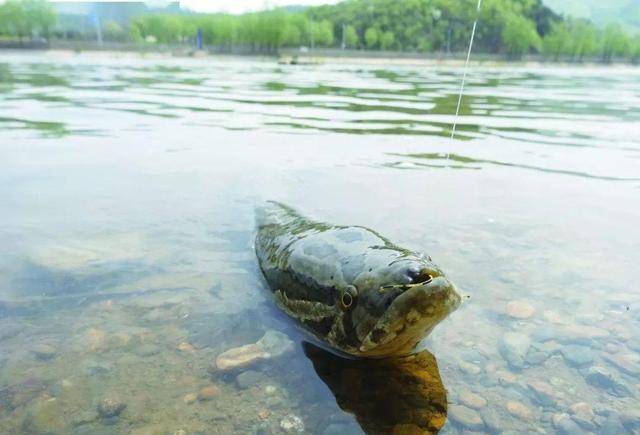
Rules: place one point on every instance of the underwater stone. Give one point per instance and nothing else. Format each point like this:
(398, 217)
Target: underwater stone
(466, 417)
(576, 355)
(627, 363)
(271, 345)
(612, 426)
(292, 424)
(606, 380)
(513, 347)
(110, 407)
(543, 392)
(565, 425)
(246, 379)
(207, 393)
(44, 352)
(472, 400)
(518, 409)
(520, 309)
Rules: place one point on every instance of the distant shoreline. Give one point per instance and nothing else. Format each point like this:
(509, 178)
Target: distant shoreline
(312, 57)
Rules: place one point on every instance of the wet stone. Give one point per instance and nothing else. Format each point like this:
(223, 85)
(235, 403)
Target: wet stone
(612, 426)
(602, 378)
(272, 344)
(207, 393)
(465, 417)
(292, 424)
(110, 407)
(513, 347)
(626, 363)
(249, 378)
(44, 352)
(472, 400)
(520, 309)
(577, 356)
(565, 425)
(147, 350)
(518, 409)
(543, 392)
(190, 398)
(583, 414)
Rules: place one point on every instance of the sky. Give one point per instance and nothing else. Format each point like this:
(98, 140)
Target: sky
(235, 6)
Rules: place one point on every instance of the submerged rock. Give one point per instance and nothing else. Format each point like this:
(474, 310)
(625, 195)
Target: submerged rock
(207, 393)
(272, 344)
(602, 378)
(576, 355)
(565, 425)
(513, 347)
(110, 407)
(626, 363)
(472, 400)
(520, 309)
(44, 352)
(292, 424)
(518, 409)
(249, 378)
(543, 392)
(465, 417)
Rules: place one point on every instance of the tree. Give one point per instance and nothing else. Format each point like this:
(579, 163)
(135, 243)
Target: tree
(615, 42)
(387, 40)
(556, 42)
(351, 37)
(323, 33)
(371, 37)
(113, 31)
(519, 36)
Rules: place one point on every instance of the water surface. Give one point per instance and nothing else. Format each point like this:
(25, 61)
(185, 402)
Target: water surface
(127, 188)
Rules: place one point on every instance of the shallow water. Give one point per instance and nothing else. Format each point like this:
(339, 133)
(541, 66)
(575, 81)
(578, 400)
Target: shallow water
(127, 189)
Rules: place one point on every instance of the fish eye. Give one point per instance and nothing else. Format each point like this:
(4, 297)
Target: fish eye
(348, 296)
(419, 276)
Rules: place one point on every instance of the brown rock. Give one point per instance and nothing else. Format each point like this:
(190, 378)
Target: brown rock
(190, 398)
(583, 410)
(186, 347)
(518, 409)
(208, 393)
(263, 414)
(543, 392)
(506, 378)
(520, 309)
(240, 357)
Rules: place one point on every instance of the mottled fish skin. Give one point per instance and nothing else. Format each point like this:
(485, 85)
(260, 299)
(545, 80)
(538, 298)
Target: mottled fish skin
(351, 288)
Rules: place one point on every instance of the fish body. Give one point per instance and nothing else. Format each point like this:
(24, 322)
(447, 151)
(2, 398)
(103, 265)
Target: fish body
(351, 288)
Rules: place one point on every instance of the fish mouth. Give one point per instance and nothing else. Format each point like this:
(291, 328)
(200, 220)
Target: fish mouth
(411, 316)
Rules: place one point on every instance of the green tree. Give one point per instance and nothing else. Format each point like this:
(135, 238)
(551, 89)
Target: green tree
(519, 36)
(371, 37)
(323, 33)
(113, 31)
(351, 37)
(615, 42)
(556, 42)
(387, 40)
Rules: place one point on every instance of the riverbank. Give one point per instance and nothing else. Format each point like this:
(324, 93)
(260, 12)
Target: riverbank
(298, 57)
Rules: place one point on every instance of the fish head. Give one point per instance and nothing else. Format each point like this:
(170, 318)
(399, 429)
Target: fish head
(399, 304)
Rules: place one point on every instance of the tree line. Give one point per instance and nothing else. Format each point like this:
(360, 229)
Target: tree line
(513, 28)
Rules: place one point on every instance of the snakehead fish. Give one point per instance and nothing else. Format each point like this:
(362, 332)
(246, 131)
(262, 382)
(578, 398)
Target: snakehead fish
(354, 290)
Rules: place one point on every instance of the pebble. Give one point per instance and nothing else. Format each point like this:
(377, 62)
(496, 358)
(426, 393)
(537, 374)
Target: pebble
(263, 414)
(587, 331)
(207, 393)
(513, 347)
(627, 363)
(565, 425)
(520, 309)
(469, 368)
(190, 398)
(270, 389)
(612, 426)
(147, 350)
(583, 414)
(110, 407)
(552, 316)
(576, 355)
(271, 345)
(602, 378)
(506, 378)
(543, 392)
(186, 347)
(246, 379)
(472, 400)
(518, 409)
(292, 424)
(44, 352)
(465, 416)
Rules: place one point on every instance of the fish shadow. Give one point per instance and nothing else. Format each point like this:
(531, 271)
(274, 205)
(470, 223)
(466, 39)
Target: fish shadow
(393, 395)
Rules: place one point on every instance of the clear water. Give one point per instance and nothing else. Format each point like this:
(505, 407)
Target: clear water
(127, 189)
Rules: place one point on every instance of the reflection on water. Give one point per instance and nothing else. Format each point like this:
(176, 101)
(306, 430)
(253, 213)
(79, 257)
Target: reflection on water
(403, 395)
(130, 298)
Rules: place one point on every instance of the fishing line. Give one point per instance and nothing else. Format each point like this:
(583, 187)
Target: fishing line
(464, 74)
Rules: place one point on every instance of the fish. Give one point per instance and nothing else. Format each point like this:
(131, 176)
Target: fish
(358, 294)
